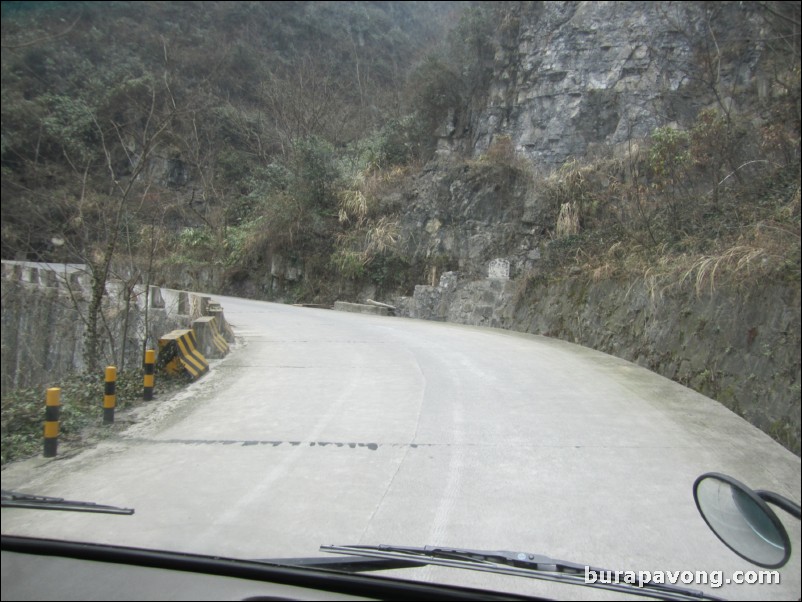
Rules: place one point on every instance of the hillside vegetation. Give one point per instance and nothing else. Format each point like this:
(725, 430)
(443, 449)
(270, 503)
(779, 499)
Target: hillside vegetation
(181, 125)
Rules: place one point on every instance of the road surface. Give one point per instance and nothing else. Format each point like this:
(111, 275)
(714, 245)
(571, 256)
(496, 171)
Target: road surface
(324, 427)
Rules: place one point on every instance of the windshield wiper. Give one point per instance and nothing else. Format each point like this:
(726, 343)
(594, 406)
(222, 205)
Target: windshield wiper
(522, 564)
(13, 499)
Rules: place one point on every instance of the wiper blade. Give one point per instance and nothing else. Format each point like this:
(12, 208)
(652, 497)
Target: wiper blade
(520, 564)
(13, 499)
(351, 564)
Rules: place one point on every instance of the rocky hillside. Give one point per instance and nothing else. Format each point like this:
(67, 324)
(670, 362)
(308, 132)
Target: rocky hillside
(569, 77)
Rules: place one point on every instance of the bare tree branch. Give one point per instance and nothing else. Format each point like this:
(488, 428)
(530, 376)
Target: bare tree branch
(44, 39)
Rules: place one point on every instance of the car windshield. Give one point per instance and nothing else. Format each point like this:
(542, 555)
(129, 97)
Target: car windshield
(241, 190)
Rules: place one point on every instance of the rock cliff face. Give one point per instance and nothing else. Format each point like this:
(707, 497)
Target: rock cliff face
(460, 216)
(569, 76)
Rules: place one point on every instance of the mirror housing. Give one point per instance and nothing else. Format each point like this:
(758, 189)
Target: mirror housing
(742, 520)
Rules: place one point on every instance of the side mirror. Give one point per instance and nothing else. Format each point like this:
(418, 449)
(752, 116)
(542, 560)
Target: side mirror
(742, 520)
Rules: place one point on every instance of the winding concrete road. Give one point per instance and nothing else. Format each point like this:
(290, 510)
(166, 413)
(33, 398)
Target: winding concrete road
(324, 427)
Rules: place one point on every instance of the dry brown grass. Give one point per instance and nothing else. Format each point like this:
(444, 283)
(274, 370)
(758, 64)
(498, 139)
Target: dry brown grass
(501, 151)
(358, 246)
(568, 220)
(353, 206)
(705, 271)
(379, 182)
(765, 251)
(766, 248)
(619, 225)
(381, 236)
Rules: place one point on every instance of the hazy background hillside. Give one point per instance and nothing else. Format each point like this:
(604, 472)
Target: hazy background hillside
(213, 106)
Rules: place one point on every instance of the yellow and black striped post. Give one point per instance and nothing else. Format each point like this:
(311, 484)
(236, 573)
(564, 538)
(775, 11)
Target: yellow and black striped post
(110, 395)
(150, 371)
(52, 413)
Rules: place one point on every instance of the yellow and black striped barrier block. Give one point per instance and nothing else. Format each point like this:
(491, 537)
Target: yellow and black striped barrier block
(220, 341)
(216, 310)
(150, 375)
(52, 414)
(110, 395)
(178, 353)
(210, 341)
